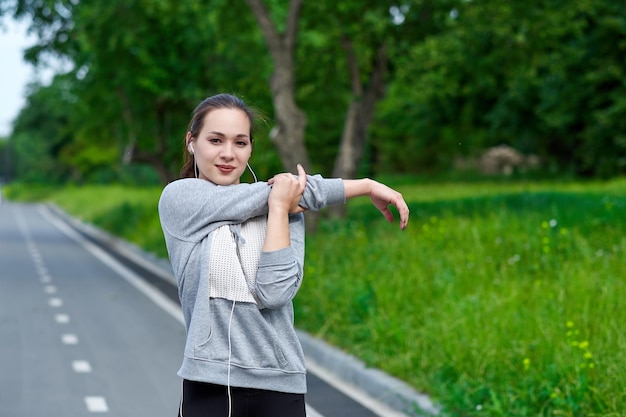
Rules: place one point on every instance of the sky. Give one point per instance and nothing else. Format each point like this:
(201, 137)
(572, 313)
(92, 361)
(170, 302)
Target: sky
(14, 72)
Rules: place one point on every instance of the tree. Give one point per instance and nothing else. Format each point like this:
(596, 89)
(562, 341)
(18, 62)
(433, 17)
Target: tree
(541, 76)
(347, 45)
(135, 87)
(6, 173)
(40, 134)
(288, 135)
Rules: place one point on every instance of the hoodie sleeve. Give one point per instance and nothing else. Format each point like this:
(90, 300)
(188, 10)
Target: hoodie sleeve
(321, 192)
(190, 208)
(280, 272)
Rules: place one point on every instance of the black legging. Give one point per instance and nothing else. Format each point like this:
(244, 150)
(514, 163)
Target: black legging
(208, 400)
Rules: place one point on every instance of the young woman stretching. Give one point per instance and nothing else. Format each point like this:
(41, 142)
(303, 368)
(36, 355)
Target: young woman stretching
(237, 251)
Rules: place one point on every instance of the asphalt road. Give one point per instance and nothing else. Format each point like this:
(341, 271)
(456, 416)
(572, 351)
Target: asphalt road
(80, 333)
(75, 339)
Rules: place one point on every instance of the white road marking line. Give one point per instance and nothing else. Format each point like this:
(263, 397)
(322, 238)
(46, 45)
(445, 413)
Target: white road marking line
(96, 404)
(311, 412)
(45, 279)
(62, 318)
(50, 289)
(81, 367)
(353, 392)
(55, 302)
(69, 339)
(135, 280)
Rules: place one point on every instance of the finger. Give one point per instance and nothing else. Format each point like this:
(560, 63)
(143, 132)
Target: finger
(278, 177)
(387, 213)
(301, 176)
(403, 210)
(404, 217)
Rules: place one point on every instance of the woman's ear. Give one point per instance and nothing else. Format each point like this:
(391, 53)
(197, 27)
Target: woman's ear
(189, 141)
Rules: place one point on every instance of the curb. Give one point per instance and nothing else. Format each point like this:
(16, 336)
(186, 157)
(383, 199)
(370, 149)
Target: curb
(369, 384)
(372, 382)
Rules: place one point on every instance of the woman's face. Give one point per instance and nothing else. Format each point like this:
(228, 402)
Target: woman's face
(223, 146)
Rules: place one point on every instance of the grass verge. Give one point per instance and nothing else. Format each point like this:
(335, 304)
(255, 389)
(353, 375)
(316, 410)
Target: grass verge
(499, 300)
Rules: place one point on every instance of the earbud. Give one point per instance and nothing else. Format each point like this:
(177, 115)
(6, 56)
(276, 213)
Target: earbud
(190, 147)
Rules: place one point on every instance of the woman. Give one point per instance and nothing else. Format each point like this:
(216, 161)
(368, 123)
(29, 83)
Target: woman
(237, 251)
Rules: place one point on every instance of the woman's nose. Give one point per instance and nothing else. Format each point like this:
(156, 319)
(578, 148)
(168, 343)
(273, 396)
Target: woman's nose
(227, 151)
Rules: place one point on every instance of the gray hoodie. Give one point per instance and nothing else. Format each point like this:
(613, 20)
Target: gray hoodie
(242, 344)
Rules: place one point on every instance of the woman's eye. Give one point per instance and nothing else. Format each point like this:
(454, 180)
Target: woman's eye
(214, 140)
(242, 143)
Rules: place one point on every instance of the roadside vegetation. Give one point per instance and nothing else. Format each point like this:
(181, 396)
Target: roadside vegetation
(500, 299)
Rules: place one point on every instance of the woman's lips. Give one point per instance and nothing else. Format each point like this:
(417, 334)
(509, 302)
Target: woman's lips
(225, 168)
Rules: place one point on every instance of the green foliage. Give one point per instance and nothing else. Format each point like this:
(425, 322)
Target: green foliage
(27, 192)
(154, 73)
(499, 300)
(133, 90)
(128, 212)
(41, 134)
(6, 167)
(323, 58)
(543, 76)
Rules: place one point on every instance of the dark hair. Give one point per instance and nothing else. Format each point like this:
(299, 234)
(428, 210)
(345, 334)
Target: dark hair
(219, 101)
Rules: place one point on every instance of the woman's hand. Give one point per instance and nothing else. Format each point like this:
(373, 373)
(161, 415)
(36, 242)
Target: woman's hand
(382, 197)
(284, 197)
(287, 191)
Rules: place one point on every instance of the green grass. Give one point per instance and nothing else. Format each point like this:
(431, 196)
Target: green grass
(500, 299)
(127, 212)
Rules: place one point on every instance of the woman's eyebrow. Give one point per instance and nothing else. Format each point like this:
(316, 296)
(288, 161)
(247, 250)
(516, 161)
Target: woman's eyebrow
(241, 135)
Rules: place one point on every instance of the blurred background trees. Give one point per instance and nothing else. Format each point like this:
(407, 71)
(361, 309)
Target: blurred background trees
(546, 77)
(374, 87)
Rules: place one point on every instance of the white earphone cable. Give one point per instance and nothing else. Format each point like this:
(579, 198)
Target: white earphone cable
(180, 408)
(252, 172)
(230, 351)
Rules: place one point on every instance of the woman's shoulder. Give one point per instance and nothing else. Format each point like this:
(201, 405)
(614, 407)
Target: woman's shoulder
(179, 190)
(185, 183)
(194, 194)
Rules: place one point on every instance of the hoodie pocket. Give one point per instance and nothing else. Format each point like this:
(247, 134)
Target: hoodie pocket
(253, 341)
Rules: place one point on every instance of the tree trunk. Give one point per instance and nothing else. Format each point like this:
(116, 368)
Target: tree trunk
(359, 116)
(290, 119)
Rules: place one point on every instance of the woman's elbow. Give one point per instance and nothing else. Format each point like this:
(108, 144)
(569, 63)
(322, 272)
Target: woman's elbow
(277, 294)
